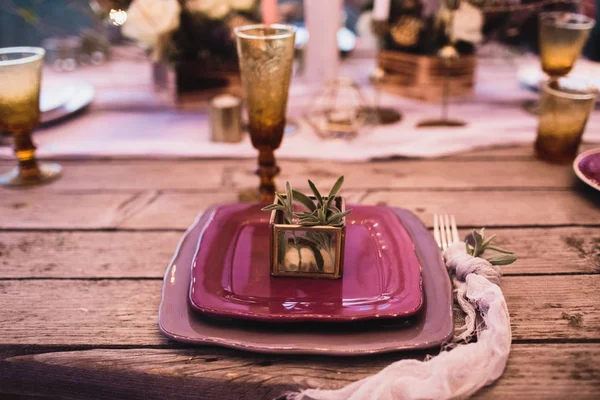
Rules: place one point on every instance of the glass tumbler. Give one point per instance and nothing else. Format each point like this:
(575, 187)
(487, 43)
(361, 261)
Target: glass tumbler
(563, 115)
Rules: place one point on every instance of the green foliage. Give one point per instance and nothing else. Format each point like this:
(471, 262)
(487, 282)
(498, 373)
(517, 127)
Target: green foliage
(324, 212)
(477, 244)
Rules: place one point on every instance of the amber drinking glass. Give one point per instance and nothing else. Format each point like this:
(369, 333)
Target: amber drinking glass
(20, 74)
(266, 54)
(564, 112)
(562, 36)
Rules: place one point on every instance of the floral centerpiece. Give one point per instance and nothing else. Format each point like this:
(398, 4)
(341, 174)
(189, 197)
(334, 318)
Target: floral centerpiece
(411, 39)
(425, 26)
(195, 37)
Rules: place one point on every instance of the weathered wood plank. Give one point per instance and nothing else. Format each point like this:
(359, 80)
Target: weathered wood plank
(539, 371)
(137, 175)
(37, 208)
(176, 210)
(86, 254)
(410, 174)
(64, 312)
(197, 175)
(68, 254)
(503, 208)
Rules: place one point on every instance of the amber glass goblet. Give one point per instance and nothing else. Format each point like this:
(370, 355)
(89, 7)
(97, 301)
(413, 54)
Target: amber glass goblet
(562, 36)
(20, 74)
(564, 111)
(266, 54)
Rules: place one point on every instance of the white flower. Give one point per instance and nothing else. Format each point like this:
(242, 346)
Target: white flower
(241, 4)
(147, 20)
(215, 9)
(468, 21)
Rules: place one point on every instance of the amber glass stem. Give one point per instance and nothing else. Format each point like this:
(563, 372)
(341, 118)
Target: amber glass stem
(267, 171)
(25, 151)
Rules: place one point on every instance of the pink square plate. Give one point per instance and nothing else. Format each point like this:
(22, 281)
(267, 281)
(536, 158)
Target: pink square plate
(231, 271)
(431, 327)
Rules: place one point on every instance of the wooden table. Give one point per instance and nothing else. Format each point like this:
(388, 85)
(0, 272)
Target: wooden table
(82, 262)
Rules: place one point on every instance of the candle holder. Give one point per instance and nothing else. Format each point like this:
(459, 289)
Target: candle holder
(449, 56)
(383, 115)
(307, 251)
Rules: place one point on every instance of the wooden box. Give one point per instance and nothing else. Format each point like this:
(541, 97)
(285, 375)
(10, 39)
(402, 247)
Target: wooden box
(422, 77)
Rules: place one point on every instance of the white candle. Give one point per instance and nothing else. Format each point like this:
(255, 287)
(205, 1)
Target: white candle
(381, 10)
(323, 20)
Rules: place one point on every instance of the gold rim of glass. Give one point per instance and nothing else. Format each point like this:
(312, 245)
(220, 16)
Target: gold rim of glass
(30, 54)
(587, 91)
(583, 22)
(283, 31)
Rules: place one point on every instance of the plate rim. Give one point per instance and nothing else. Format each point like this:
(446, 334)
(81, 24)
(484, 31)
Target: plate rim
(315, 317)
(83, 96)
(580, 174)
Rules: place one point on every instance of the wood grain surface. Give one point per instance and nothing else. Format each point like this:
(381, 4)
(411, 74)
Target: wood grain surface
(533, 371)
(82, 260)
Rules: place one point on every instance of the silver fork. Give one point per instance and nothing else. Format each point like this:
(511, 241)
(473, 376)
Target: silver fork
(444, 230)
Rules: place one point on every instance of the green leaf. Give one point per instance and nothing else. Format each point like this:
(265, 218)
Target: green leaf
(499, 250)
(334, 190)
(318, 257)
(335, 209)
(316, 193)
(281, 199)
(288, 193)
(272, 207)
(304, 199)
(321, 216)
(488, 241)
(502, 259)
(310, 239)
(337, 217)
(478, 238)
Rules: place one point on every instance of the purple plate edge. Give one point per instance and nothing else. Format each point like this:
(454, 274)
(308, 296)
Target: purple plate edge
(291, 350)
(577, 168)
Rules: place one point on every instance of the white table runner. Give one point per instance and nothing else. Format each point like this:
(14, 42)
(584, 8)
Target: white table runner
(494, 115)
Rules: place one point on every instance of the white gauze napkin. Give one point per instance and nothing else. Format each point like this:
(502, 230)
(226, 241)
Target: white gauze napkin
(461, 368)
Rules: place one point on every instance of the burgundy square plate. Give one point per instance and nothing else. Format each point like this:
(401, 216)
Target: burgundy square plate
(231, 271)
(431, 327)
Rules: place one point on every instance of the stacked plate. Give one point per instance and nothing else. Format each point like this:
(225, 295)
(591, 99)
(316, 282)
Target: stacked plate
(62, 98)
(395, 293)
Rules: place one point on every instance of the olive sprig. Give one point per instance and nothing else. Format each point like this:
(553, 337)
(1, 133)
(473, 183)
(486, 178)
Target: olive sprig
(477, 244)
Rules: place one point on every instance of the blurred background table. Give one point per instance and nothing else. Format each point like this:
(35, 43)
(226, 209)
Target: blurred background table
(82, 263)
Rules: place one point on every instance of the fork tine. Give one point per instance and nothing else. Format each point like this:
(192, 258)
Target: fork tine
(455, 236)
(449, 236)
(436, 230)
(444, 238)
